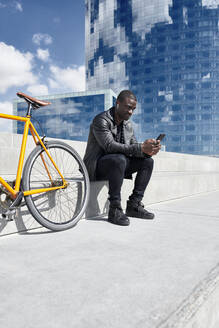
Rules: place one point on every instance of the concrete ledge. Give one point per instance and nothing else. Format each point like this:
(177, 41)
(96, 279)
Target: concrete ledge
(175, 176)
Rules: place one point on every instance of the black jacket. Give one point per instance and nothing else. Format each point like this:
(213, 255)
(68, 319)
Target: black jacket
(101, 141)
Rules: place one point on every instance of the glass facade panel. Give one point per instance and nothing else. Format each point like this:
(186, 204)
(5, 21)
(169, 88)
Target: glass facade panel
(167, 53)
(69, 115)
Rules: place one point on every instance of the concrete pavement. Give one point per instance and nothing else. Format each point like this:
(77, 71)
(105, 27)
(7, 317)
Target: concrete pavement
(160, 273)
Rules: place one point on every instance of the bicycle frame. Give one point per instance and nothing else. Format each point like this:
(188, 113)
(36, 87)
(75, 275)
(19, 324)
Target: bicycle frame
(29, 126)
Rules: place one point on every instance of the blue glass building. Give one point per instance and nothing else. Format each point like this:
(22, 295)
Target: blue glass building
(167, 53)
(69, 115)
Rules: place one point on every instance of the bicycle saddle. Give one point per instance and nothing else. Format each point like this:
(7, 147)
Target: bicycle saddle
(36, 103)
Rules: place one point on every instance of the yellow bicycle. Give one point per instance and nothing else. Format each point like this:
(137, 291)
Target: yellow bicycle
(54, 181)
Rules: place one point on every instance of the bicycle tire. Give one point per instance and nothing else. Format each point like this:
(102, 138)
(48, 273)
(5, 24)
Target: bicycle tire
(60, 209)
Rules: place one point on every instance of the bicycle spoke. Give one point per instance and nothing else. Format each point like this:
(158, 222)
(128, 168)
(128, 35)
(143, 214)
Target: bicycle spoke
(61, 206)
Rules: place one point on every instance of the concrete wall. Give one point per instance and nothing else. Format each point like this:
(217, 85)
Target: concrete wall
(175, 176)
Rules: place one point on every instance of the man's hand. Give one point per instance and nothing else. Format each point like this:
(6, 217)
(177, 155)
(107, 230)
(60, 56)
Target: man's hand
(151, 147)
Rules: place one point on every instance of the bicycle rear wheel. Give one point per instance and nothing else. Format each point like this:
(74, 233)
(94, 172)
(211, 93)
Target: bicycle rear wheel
(60, 209)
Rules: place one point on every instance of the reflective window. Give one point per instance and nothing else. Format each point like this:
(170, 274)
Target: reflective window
(167, 50)
(190, 117)
(206, 137)
(68, 117)
(191, 137)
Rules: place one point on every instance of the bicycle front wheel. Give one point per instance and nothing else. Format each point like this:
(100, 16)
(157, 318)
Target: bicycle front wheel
(59, 209)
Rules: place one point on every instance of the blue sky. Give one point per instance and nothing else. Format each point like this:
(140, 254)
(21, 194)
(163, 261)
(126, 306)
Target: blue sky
(41, 48)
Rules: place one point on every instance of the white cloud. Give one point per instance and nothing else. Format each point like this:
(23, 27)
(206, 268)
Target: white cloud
(14, 5)
(43, 54)
(104, 73)
(210, 3)
(18, 6)
(147, 15)
(69, 78)
(60, 125)
(68, 107)
(39, 38)
(6, 108)
(206, 77)
(15, 68)
(167, 94)
(167, 116)
(38, 89)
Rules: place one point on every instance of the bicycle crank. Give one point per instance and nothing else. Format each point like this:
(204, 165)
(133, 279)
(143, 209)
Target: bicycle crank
(12, 208)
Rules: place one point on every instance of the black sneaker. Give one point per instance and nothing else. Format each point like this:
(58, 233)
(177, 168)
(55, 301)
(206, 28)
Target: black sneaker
(136, 209)
(116, 216)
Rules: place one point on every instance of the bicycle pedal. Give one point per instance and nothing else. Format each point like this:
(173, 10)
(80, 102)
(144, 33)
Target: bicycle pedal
(11, 210)
(7, 217)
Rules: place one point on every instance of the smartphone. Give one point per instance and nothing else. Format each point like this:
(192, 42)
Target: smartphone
(161, 136)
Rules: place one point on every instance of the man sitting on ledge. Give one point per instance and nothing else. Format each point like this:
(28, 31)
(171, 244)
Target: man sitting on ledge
(113, 154)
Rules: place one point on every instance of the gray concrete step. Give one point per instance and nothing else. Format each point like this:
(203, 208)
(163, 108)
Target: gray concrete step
(175, 176)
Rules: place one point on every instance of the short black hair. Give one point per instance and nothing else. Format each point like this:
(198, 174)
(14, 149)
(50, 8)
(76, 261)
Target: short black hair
(126, 94)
